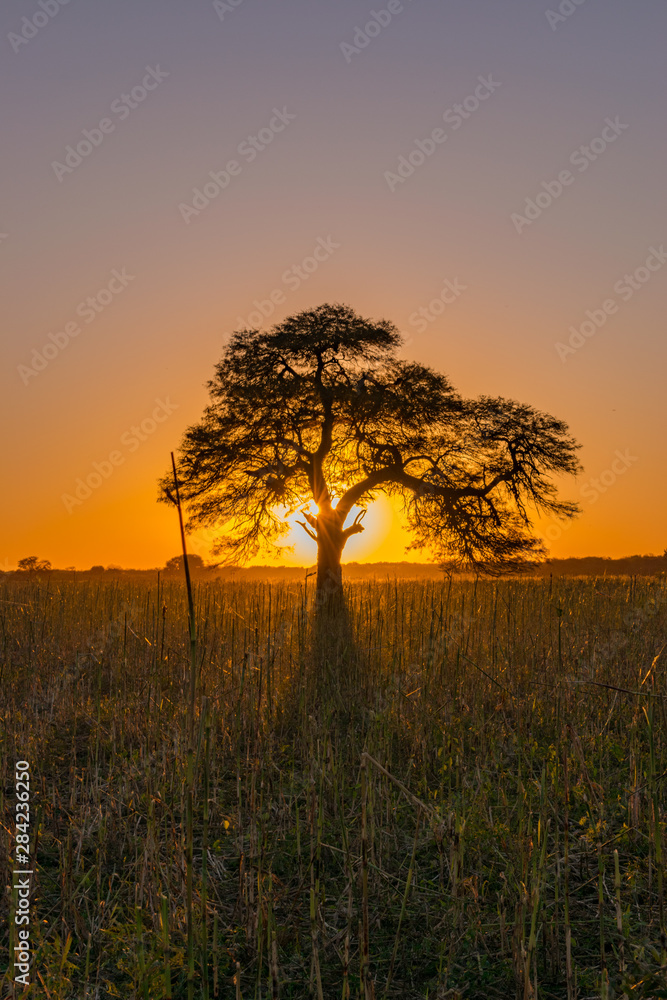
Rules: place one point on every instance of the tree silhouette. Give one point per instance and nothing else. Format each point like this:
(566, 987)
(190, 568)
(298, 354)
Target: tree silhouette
(31, 564)
(175, 564)
(320, 408)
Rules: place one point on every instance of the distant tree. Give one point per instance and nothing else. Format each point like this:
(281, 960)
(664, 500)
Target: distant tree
(321, 409)
(175, 564)
(97, 569)
(31, 564)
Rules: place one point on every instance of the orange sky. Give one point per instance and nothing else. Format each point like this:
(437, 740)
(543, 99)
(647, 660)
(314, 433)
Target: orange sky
(117, 302)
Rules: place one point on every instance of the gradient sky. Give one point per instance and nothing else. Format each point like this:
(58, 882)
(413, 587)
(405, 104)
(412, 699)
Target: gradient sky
(221, 74)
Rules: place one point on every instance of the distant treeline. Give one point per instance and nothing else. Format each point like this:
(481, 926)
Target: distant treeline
(602, 566)
(587, 566)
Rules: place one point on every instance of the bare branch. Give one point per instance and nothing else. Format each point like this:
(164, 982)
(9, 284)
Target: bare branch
(311, 534)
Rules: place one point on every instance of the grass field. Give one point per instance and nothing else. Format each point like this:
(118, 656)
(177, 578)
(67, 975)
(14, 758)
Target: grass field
(457, 790)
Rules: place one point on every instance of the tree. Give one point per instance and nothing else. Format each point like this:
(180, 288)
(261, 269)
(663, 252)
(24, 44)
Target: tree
(321, 409)
(31, 564)
(175, 564)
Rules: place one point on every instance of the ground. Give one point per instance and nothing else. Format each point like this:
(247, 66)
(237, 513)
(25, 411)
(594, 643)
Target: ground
(429, 795)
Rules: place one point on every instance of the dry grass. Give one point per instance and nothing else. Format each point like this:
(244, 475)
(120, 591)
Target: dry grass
(458, 790)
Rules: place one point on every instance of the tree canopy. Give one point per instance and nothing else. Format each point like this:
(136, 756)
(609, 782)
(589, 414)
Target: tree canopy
(195, 564)
(31, 564)
(321, 407)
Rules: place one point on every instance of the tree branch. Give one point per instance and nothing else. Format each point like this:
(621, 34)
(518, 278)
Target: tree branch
(356, 528)
(355, 493)
(311, 534)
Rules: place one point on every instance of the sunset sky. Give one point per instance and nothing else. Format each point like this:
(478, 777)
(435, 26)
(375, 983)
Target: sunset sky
(509, 156)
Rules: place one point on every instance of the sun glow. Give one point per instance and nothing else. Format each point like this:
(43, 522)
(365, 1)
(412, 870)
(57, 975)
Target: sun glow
(384, 538)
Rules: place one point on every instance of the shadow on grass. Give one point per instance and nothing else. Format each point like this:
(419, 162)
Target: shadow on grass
(335, 677)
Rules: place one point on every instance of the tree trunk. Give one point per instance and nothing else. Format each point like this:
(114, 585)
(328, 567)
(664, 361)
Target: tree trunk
(330, 543)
